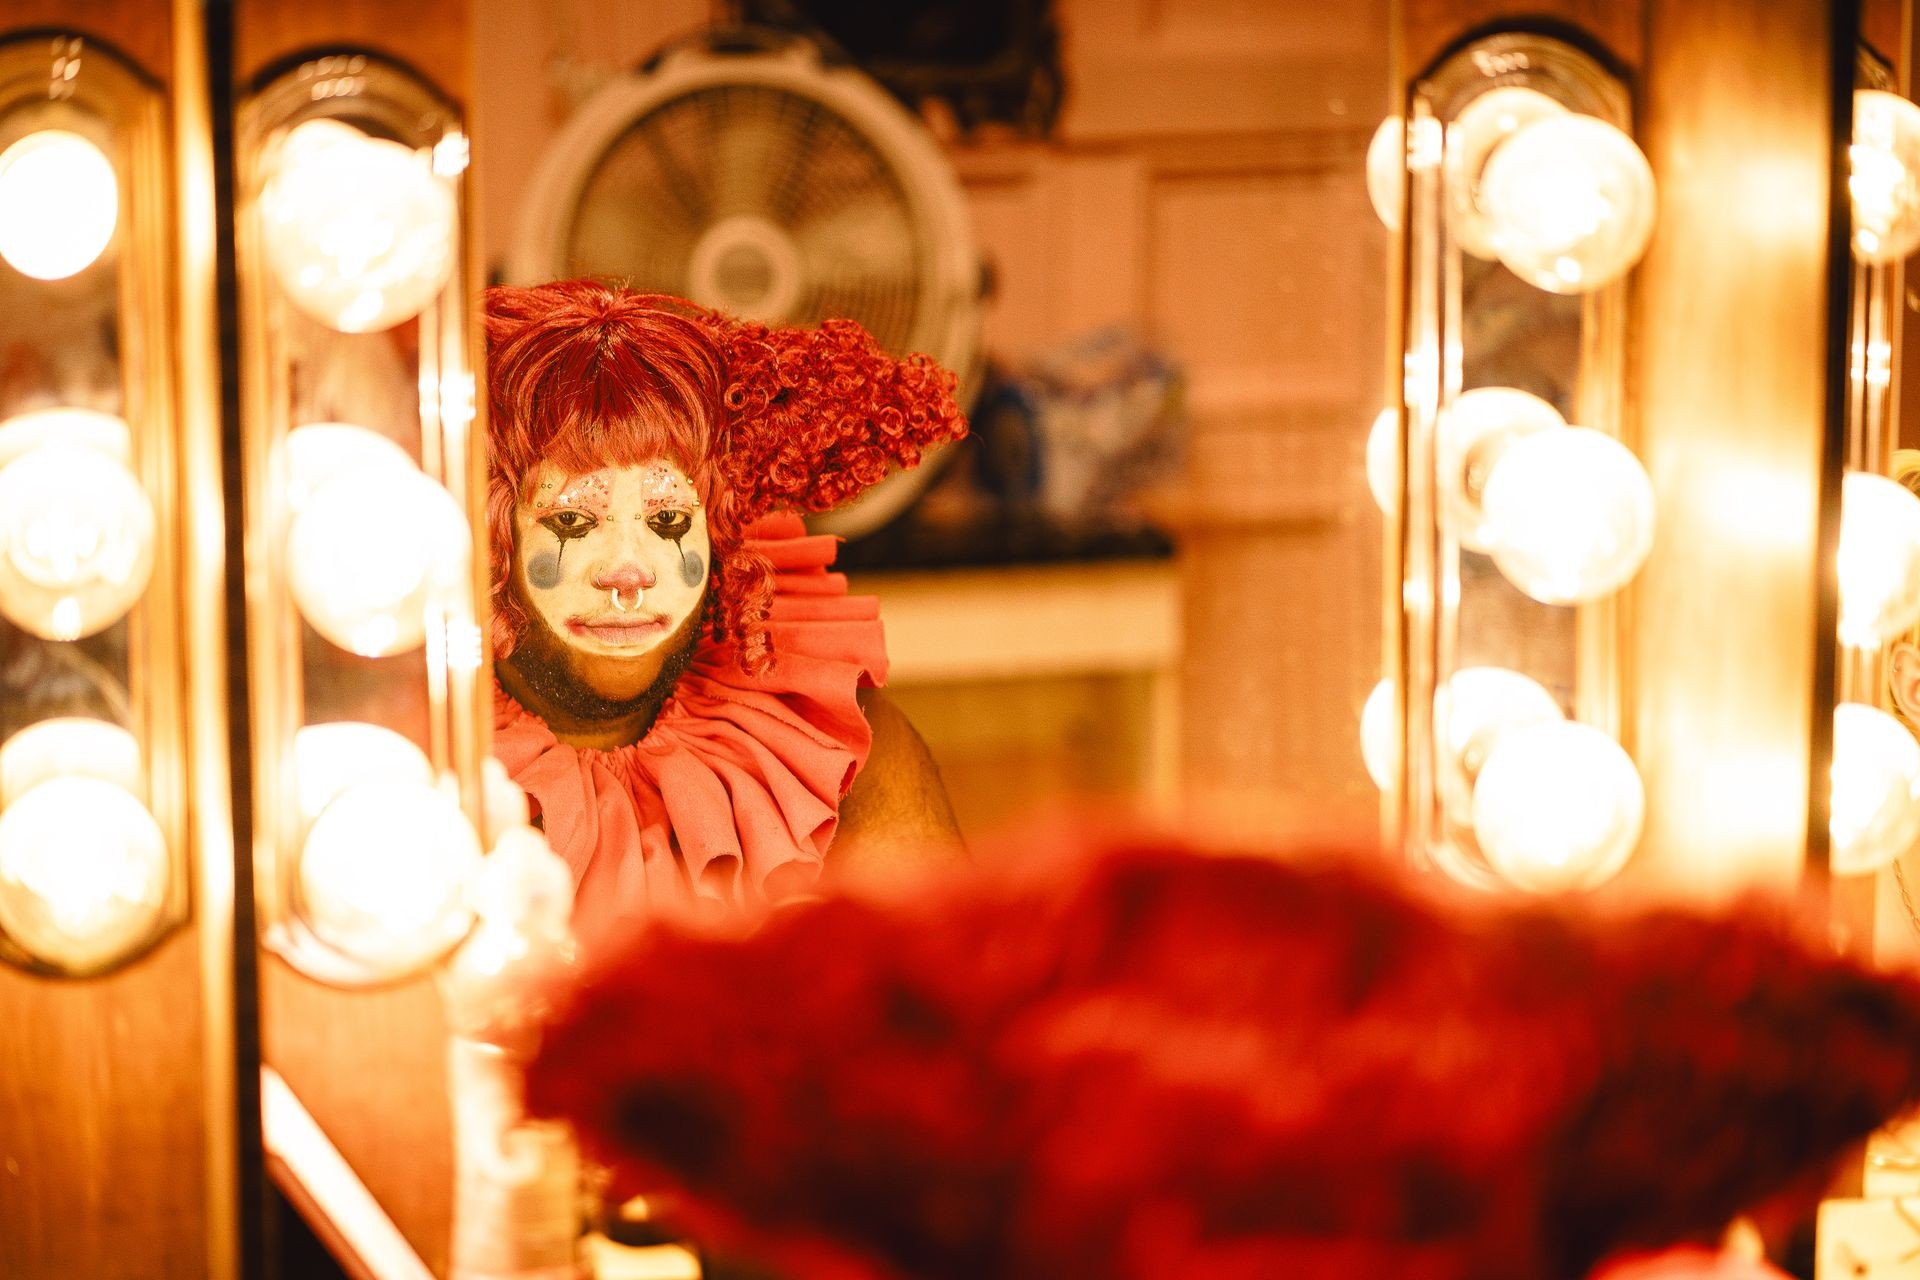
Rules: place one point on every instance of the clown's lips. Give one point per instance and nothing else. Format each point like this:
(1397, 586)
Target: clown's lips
(622, 632)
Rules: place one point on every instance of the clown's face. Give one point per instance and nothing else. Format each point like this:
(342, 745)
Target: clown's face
(614, 565)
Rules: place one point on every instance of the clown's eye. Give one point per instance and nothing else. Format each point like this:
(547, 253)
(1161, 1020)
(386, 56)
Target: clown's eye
(568, 524)
(670, 523)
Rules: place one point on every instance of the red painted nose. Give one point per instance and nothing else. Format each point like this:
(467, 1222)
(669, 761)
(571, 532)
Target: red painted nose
(626, 577)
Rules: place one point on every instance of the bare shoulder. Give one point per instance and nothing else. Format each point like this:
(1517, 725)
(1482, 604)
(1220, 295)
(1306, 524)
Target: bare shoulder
(897, 815)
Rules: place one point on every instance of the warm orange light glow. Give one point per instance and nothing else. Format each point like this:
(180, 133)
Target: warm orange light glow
(383, 874)
(1885, 182)
(1557, 807)
(1475, 429)
(1569, 515)
(76, 540)
(83, 872)
(370, 554)
(59, 203)
(1569, 201)
(1879, 559)
(1875, 811)
(1387, 171)
(1481, 126)
(70, 746)
(360, 231)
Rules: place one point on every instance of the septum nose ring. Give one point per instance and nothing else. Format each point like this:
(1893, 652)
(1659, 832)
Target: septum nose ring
(621, 608)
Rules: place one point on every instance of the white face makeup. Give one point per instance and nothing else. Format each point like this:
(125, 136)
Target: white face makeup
(614, 563)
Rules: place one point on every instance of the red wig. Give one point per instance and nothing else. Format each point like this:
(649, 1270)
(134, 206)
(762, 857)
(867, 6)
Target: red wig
(1168, 1065)
(583, 376)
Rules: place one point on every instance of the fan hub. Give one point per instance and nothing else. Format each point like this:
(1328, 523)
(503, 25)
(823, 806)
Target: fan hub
(747, 266)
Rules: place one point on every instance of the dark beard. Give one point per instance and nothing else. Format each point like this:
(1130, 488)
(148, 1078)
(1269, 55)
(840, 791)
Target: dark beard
(541, 661)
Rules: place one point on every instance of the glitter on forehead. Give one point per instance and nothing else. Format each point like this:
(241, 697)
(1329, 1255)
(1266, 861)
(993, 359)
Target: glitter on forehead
(591, 493)
(664, 486)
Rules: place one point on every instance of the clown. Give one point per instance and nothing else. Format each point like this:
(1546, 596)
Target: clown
(686, 693)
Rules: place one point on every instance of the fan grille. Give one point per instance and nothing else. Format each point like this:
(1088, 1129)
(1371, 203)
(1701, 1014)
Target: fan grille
(760, 201)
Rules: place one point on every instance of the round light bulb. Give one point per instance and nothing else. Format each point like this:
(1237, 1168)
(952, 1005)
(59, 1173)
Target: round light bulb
(322, 451)
(1879, 559)
(70, 746)
(83, 872)
(1474, 429)
(1478, 706)
(88, 428)
(1383, 461)
(1885, 179)
(329, 758)
(1387, 171)
(1380, 736)
(1569, 514)
(1482, 125)
(1557, 807)
(360, 231)
(370, 553)
(1874, 814)
(59, 201)
(1569, 202)
(76, 540)
(383, 874)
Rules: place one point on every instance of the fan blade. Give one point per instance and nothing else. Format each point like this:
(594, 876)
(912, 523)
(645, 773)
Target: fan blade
(754, 145)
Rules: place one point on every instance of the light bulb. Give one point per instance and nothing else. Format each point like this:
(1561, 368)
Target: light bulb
(1569, 515)
(89, 428)
(323, 451)
(360, 231)
(1482, 125)
(70, 746)
(1383, 461)
(83, 872)
(1387, 171)
(59, 201)
(1569, 202)
(1557, 807)
(1885, 182)
(76, 540)
(1380, 736)
(383, 874)
(1474, 430)
(1478, 706)
(329, 758)
(370, 553)
(1874, 815)
(1879, 560)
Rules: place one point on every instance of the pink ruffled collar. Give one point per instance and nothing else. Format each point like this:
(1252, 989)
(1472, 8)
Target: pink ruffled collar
(733, 796)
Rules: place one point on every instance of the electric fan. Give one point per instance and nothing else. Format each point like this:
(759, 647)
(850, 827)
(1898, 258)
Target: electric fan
(744, 172)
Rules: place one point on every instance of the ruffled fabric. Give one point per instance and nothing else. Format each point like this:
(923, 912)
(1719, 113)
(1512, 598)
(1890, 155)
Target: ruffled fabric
(733, 796)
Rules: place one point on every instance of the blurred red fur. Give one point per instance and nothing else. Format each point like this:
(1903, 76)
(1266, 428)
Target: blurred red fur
(585, 376)
(1148, 1063)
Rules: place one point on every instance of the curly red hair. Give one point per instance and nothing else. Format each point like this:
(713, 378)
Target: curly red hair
(584, 375)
